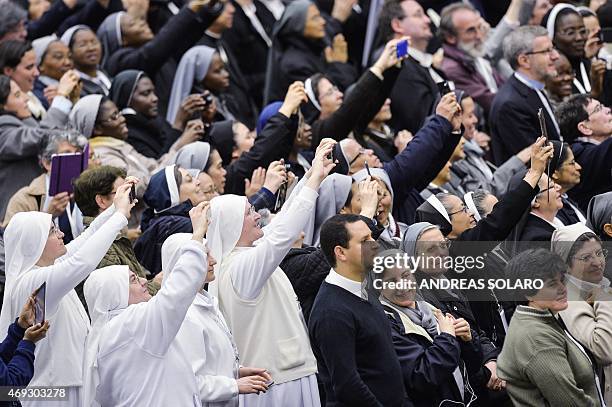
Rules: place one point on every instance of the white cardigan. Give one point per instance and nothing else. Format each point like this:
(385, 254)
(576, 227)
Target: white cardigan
(259, 303)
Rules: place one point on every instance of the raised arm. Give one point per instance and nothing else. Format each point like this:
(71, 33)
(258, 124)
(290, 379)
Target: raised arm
(151, 56)
(251, 271)
(161, 318)
(64, 275)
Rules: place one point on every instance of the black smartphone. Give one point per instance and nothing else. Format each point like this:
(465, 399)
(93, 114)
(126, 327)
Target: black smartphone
(367, 167)
(605, 35)
(132, 193)
(401, 49)
(446, 87)
(39, 304)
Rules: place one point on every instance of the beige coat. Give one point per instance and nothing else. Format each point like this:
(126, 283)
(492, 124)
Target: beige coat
(592, 326)
(30, 198)
(121, 154)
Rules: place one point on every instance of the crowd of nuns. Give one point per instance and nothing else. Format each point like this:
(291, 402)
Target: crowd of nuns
(205, 203)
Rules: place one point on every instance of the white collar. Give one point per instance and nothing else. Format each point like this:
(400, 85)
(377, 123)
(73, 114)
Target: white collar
(553, 223)
(213, 35)
(588, 140)
(349, 285)
(423, 58)
(581, 284)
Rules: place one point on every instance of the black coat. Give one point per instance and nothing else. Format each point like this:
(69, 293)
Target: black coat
(514, 121)
(273, 143)
(413, 97)
(567, 214)
(427, 367)
(595, 177)
(535, 229)
(358, 108)
(383, 147)
(239, 100)
(150, 137)
(250, 49)
(158, 57)
(156, 230)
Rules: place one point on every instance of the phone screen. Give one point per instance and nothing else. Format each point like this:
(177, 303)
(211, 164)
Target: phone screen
(39, 304)
(132, 193)
(402, 48)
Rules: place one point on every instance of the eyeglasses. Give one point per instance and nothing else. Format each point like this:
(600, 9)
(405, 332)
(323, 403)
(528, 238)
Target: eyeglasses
(113, 117)
(134, 279)
(55, 230)
(587, 258)
(572, 163)
(570, 32)
(361, 152)
(597, 109)
(443, 245)
(544, 51)
(463, 209)
(330, 92)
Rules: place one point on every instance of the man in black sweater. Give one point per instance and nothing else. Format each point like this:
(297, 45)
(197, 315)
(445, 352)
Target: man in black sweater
(350, 335)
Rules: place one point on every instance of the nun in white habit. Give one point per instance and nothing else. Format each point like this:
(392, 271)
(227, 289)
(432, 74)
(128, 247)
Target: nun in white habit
(35, 254)
(207, 341)
(132, 357)
(255, 295)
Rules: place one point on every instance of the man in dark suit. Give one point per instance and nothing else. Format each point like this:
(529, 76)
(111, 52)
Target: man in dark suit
(239, 97)
(249, 39)
(415, 90)
(514, 113)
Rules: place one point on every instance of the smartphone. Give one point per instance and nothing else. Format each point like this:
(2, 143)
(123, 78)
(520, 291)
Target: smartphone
(446, 87)
(132, 193)
(605, 35)
(367, 167)
(39, 304)
(270, 383)
(332, 155)
(401, 49)
(543, 130)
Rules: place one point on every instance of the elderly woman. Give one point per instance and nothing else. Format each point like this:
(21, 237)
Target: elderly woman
(542, 362)
(393, 232)
(567, 175)
(437, 352)
(34, 197)
(36, 255)
(299, 50)
(171, 194)
(132, 340)
(432, 244)
(589, 313)
(256, 296)
(22, 137)
(208, 343)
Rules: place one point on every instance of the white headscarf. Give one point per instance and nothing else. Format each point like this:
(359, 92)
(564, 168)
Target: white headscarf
(552, 17)
(171, 252)
(192, 68)
(107, 293)
(25, 238)
(227, 216)
(83, 115)
(69, 33)
(40, 46)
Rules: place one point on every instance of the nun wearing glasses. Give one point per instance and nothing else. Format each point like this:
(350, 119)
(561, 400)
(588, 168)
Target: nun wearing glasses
(36, 255)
